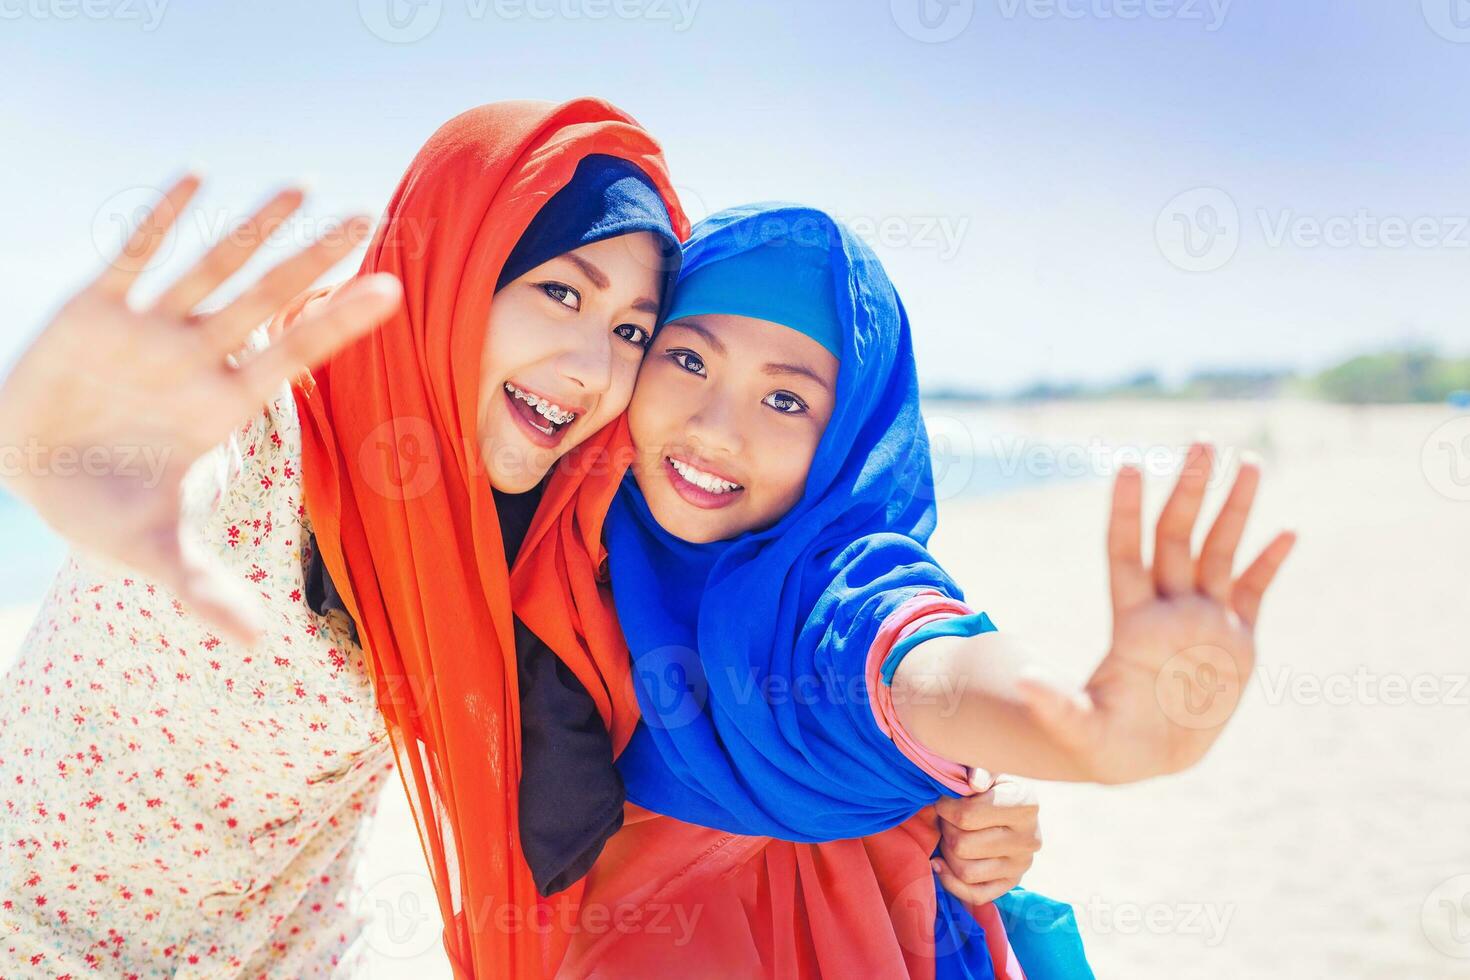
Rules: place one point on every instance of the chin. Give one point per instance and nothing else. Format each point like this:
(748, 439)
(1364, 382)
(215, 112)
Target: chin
(517, 479)
(520, 484)
(684, 522)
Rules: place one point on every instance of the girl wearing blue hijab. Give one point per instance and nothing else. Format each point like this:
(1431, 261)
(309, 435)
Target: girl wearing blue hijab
(806, 671)
(804, 668)
(781, 498)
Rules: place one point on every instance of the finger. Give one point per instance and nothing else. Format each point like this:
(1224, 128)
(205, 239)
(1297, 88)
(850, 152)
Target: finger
(228, 329)
(141, 245)
(980, 780)
(988, 869)
(354, 310)
(227, 257)
(992, 842)
(1014, 794)
(1217, 556)
(1173, 558)
(972, 812)
(1126, 575)
(1251, 587)
(1007, 804)
(978, 894)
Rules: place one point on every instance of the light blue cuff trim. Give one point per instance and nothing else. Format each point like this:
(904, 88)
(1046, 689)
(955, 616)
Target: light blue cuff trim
(972, 625)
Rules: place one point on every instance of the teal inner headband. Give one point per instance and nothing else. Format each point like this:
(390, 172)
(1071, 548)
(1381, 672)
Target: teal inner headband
(782, 280)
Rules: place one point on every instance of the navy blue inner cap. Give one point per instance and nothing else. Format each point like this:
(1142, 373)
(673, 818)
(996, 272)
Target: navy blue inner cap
(606, 197)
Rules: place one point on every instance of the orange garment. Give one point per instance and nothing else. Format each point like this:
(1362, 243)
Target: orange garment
(406, 523)
(672, 899)
(668, 898)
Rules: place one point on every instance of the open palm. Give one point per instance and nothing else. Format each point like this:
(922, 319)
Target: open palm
(111, 404)
(1183, 643)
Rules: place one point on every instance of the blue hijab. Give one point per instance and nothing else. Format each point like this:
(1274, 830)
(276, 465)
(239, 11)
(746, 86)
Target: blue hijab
(749, 655)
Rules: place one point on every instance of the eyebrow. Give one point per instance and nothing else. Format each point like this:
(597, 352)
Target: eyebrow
(703, 331)
(772, 368)
(800, 370)
(599, 279)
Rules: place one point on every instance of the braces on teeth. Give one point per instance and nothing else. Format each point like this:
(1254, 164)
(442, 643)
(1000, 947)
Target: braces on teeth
(553, 413)
(704, 481)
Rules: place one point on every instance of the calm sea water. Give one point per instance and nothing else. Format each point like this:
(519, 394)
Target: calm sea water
(965, 466)
(31, 553)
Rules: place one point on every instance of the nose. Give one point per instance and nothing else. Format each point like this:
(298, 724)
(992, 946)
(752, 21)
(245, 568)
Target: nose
(714, 428)
(589, 364)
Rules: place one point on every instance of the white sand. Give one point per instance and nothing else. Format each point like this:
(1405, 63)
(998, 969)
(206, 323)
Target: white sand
(1312, 841)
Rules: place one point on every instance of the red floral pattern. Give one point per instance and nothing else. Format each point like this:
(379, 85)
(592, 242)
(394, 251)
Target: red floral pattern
(171, 804)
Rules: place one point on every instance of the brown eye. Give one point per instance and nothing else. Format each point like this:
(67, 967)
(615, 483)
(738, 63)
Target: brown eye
(637, 336)
(562, 293)
(688, 360)
(785, 402)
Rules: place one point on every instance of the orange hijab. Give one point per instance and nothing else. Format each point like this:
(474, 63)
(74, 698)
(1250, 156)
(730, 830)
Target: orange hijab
(406, 523)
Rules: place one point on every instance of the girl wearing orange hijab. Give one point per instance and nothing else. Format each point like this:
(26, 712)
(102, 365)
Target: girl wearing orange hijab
(188, 805)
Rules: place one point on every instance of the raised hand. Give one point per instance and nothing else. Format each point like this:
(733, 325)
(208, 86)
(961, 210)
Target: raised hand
(113, 386)
(1183, 644)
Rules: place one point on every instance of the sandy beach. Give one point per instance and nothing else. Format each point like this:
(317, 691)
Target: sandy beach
(1325, 833)
(1317, 838)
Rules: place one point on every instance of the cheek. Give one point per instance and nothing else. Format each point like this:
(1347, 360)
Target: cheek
(619, 394)
(515, 337)
(495, 362)
(654, 403)
(788, 460)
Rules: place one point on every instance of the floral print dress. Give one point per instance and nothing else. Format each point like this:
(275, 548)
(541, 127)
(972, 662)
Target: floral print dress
(172, 804)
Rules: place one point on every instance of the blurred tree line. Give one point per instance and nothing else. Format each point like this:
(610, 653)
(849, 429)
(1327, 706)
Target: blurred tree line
(1411, 375)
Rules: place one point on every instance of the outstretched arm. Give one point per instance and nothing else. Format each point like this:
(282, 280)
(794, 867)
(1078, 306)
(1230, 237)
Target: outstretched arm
(1183, 647)
(106, 383)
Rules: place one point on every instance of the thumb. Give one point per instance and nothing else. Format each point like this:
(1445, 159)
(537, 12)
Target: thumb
(222, 604)
(202, 584)
(1065, 714)
(981, 780)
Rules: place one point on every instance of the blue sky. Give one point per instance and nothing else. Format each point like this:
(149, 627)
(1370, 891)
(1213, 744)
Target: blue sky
(1062, 189)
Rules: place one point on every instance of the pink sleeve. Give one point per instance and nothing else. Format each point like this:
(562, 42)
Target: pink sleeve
(924, 608)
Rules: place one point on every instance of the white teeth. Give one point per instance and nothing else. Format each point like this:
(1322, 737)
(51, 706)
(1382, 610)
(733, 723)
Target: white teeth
(552, 411)
(701, 479)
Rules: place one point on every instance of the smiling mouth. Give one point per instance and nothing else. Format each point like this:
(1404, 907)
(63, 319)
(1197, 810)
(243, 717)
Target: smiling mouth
(700, 488)
(540, 414)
